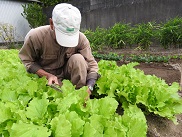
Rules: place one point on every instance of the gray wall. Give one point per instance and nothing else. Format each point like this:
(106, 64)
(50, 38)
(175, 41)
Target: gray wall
(106, 13)
(10, 12)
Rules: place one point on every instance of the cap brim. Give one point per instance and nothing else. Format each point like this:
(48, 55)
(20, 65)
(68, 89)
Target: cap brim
(67, 40)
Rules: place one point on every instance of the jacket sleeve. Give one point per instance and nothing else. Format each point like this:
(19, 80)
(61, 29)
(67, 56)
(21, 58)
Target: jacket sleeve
(29, 52)
(85, 50)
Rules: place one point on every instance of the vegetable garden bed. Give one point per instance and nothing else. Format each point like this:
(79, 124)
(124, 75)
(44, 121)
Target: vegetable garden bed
(157, 126)
(30, 108)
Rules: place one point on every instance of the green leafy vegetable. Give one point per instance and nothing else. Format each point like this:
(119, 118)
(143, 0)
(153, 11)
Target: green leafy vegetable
(30, 108)
(137, 88)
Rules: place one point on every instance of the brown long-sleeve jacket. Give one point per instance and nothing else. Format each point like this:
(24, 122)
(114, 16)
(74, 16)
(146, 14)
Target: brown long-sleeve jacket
(41, 51)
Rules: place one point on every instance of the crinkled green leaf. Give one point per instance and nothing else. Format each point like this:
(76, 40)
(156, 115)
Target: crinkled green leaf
(89, 130)
(29, 130)
(32, 87)
(105, 106)
(74, 97)
(115, 128)
(76, 123)
(128, 83)
(60, 126)
(8, 95)
(5, 112)
(37, 108)
(98, 122)
(67, 87)
(133, 119)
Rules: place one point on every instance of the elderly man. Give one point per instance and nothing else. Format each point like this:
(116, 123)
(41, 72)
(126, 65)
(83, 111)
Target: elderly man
(60, 51)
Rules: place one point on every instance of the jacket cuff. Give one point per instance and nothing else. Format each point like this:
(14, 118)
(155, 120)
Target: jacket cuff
(33, 68)
(93, 75)
(91, 82)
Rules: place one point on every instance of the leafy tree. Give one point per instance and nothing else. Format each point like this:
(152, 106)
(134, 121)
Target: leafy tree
(33, 13)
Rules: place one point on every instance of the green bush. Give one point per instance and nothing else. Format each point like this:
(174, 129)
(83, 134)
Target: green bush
(119, 35)
(34, 15)
(33, 12)
(96, 38)
(143, 34)
(171, 33)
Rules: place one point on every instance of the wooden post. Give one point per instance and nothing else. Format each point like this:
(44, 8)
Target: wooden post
(178, 66)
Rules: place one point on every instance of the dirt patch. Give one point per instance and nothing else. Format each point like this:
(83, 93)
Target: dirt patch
(158, 126)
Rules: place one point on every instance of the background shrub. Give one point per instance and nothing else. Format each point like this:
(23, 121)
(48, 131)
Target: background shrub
(119, 36)
(96, 38)
(8, 35)
(33, 13)
(143, 34)
(170, 33)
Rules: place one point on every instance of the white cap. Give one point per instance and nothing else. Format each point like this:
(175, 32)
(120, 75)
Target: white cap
(66, 19)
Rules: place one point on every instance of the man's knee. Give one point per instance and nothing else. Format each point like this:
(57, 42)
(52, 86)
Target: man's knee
(76, 58)
(77, 70)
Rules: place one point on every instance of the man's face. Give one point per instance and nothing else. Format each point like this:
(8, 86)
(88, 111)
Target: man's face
(53, 29)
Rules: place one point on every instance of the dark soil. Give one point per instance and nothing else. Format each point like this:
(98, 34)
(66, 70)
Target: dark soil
(158, 126)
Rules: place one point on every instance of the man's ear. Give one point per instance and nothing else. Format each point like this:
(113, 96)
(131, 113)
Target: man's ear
(51, 24)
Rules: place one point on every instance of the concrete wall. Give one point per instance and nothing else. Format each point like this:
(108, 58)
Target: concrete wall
(106, 13)
(11, 14)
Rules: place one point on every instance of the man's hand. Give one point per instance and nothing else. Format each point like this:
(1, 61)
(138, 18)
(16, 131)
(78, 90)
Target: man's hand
(52, 79)
(89, 93)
